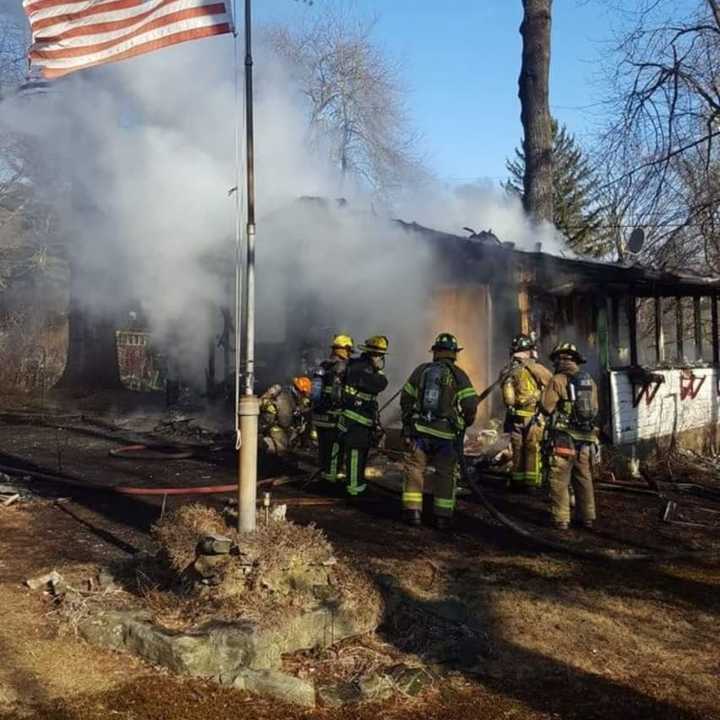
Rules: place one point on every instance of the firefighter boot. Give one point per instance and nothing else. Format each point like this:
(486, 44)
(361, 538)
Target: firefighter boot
(412, 517)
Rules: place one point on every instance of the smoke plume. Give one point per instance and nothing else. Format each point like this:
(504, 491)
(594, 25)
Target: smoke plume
(139, 158)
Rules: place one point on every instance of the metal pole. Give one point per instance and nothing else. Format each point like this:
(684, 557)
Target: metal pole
(250, 172)
(248, 407)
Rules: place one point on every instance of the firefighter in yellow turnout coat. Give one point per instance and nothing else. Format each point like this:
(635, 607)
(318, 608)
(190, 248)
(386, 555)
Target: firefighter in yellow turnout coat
(522, 387)
(438, 402)
(571, 402)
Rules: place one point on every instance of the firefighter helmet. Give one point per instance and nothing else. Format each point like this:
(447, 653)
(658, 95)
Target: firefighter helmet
(521, 343)
(569, 349)
(377, 344)
(343, 341)
(302, 384)
(446, 341)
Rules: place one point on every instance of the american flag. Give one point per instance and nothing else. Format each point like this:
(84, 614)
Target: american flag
(69, 35)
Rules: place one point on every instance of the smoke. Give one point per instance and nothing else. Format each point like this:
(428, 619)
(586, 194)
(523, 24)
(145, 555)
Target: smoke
(481, 206)
(139, 157)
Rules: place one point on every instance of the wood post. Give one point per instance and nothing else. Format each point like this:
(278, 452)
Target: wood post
(524, 308)
(614, 330)
(679, 330)
(631, 309)
(659, 332)
(714, 313)
(697, 317)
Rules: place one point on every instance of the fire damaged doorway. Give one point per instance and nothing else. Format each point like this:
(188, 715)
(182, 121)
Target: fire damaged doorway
(465, 312)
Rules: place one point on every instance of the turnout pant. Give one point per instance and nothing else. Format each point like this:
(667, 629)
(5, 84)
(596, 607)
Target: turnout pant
(356, 442)
(525, 439)
(575, 469)
(443, 455)
(329, 453)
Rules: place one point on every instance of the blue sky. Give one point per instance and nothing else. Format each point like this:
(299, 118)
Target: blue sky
(461, 61)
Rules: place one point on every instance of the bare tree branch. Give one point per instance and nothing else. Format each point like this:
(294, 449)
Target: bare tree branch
(355, 97)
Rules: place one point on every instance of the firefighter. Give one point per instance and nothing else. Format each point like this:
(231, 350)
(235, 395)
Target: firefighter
(358, 422)
(284, 415)
(570, 401)
(522, 386)
(438, 402)
(326, 397)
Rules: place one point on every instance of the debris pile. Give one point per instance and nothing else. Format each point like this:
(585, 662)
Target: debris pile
(13, 490)
(17, 489)
(682, 466)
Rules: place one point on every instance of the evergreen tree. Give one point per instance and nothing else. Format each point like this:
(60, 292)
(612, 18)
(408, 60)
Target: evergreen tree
(575, 214)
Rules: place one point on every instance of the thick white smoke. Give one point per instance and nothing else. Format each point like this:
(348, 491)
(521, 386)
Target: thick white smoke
(480, 206)
(140, 158)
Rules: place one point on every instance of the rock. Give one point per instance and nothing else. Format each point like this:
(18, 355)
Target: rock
(108, 629)
(209, 565)
(52, 578)
(375, 688)
(339, 694)
(278, 685)
(220, 648)
(214, 545)
(410, 680)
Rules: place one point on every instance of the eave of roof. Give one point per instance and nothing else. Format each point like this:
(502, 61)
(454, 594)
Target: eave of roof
(639, 277)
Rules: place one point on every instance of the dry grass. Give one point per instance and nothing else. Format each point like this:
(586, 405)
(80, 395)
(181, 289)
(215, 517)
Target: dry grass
(347, 661)
(180, 531)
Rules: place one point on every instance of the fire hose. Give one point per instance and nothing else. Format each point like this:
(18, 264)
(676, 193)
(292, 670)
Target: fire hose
(143, 452)
(76, 481)
(586, 553)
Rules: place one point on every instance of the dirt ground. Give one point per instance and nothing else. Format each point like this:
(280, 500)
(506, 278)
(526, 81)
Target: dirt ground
(560, 637)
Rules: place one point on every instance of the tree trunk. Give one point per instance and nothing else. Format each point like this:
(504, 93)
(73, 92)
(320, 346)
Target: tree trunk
(92, 360)
(535, 109)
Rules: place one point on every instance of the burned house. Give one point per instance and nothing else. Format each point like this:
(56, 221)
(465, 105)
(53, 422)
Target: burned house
(651, 337)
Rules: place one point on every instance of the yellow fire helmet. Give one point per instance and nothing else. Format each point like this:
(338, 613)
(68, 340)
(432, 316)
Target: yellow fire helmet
(377, 344)
(343, 341)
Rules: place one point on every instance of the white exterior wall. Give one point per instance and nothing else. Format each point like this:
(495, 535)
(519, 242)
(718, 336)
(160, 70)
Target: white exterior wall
(687, 400)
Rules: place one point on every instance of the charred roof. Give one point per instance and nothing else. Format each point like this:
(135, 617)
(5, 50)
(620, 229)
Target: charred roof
(484, 258)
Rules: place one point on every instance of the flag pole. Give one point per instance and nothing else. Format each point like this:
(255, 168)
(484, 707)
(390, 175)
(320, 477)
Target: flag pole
(248, 406)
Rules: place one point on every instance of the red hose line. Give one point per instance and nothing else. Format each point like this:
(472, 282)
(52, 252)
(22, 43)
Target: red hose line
(80, 483)
(143, 452)
(207, 490)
